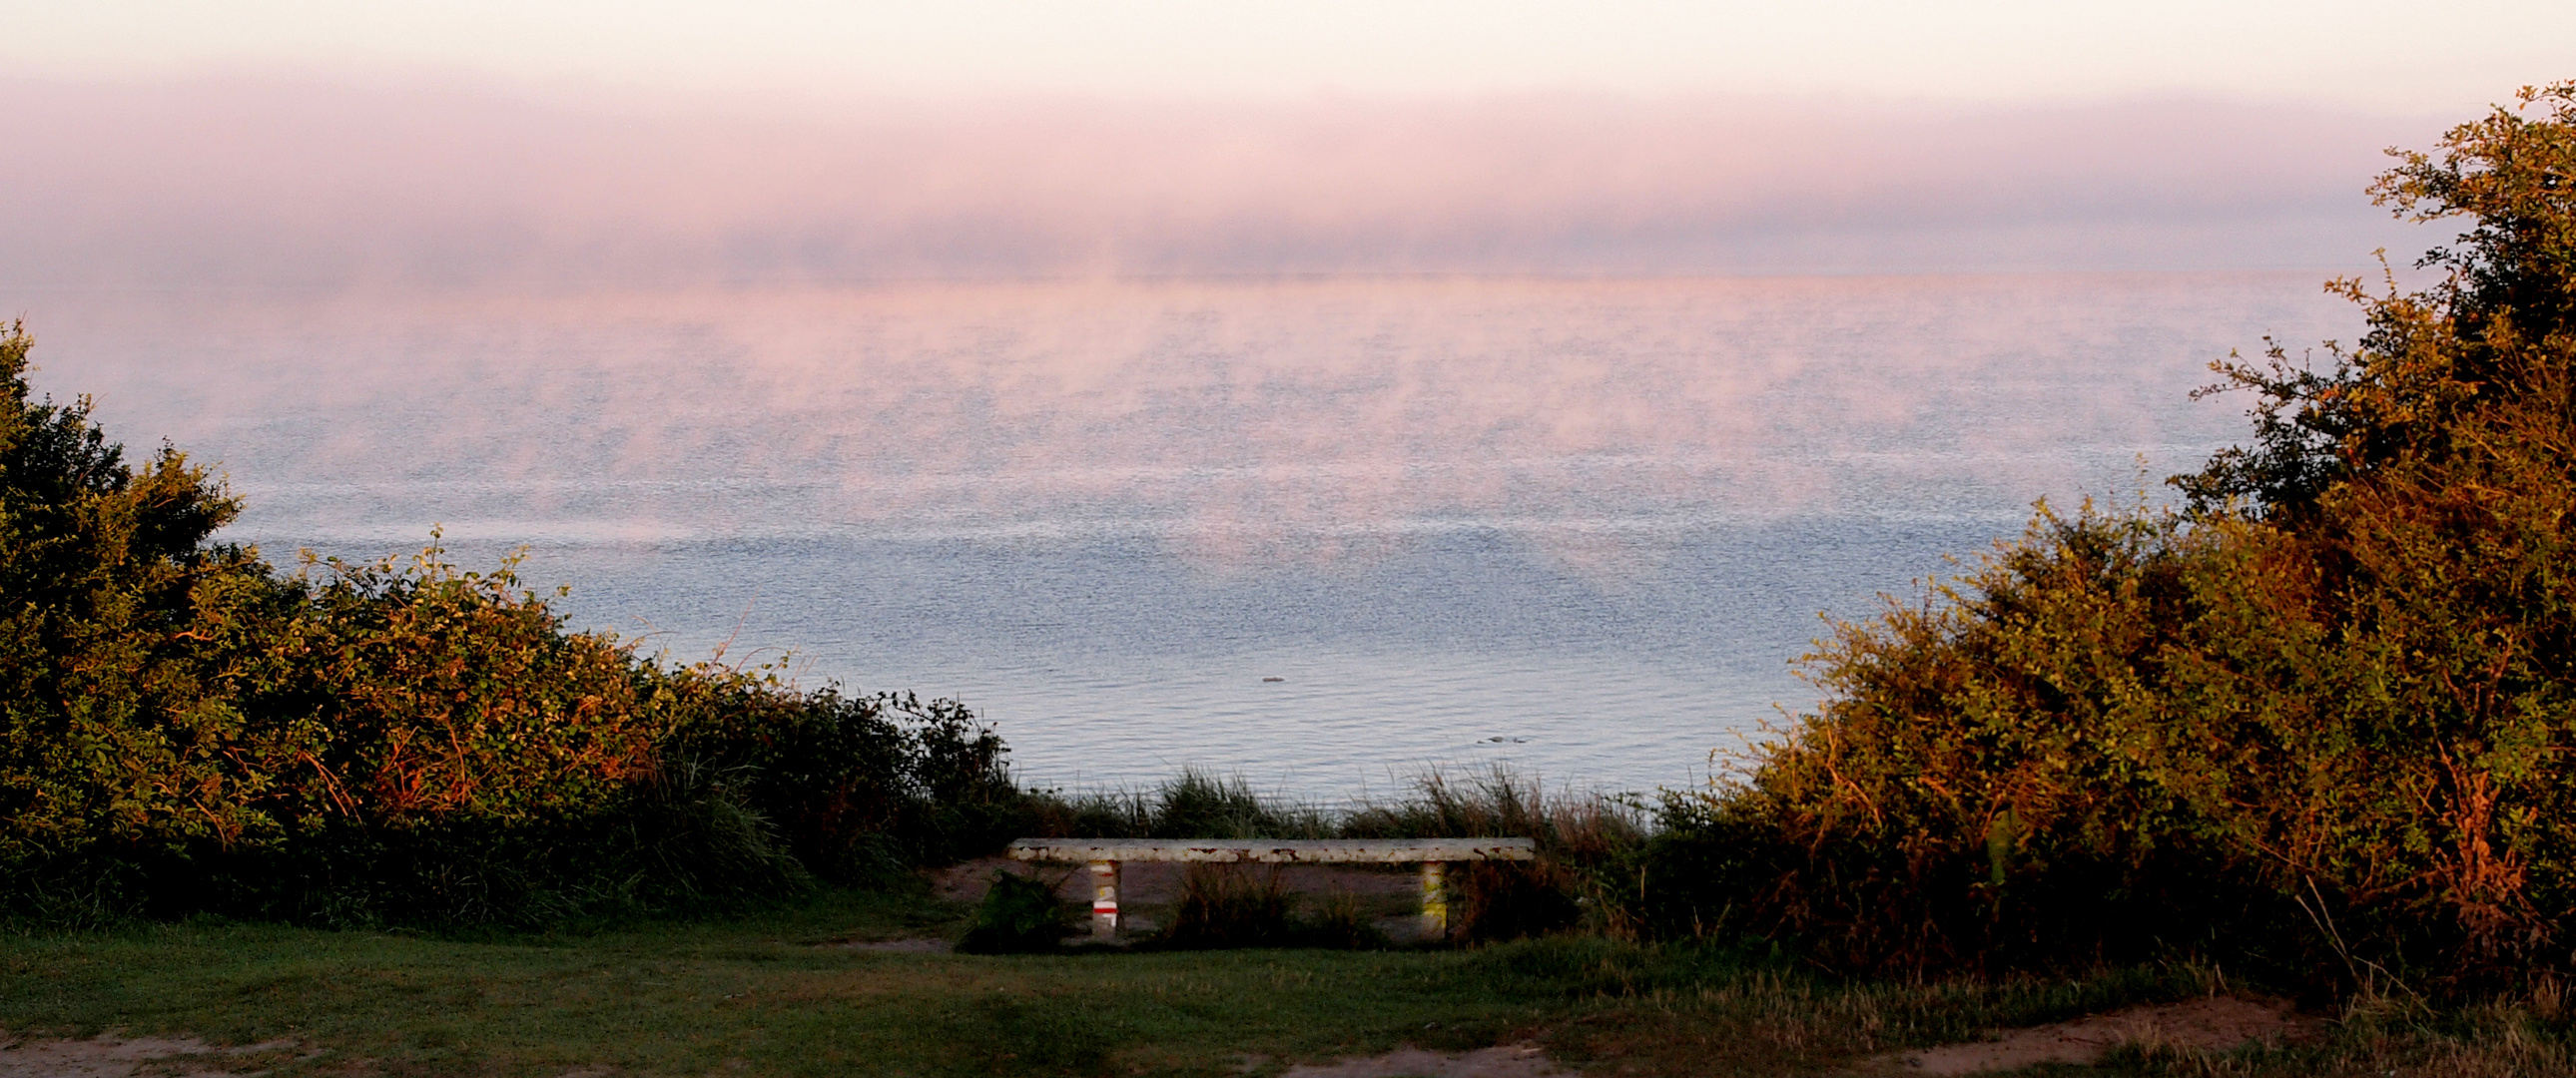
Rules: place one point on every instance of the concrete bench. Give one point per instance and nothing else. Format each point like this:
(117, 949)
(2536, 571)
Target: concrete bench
(1103, 855)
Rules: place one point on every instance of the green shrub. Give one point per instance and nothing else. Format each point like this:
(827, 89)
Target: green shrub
(1507, 900)
(1019, 915)
(855, 786)
(119, 624)
(183, 729)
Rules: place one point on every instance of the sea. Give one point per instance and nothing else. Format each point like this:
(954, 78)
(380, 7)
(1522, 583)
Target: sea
(1327, 536)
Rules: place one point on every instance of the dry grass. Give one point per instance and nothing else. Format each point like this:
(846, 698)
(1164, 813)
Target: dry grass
(2521, 1036)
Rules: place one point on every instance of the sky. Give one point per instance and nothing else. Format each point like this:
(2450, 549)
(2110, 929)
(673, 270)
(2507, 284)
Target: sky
(2371, 54)
(260, 142)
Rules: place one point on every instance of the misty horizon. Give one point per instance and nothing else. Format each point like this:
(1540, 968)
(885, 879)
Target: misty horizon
(220, 182)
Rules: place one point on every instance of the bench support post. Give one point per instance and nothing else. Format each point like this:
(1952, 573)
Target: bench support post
(1435, 899)
(1104, 900)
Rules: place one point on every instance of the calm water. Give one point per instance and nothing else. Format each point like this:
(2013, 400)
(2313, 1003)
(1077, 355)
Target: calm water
(1582, 528)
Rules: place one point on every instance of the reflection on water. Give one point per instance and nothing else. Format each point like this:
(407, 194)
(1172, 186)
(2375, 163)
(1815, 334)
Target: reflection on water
(1577, 526)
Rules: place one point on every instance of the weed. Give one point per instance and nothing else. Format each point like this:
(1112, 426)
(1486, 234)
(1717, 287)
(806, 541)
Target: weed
(1231, 906)
(1339, 921)
(1019, 915)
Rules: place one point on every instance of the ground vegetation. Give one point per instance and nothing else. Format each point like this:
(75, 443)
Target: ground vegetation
(822, 986)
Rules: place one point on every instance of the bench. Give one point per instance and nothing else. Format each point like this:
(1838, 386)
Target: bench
(1103, 856)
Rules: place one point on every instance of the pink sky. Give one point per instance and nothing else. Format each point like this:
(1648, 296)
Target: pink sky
(584, 142)
(315, 180)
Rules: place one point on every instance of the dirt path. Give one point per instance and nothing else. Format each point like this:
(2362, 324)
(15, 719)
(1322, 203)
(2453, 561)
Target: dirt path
(1499, 1061)
(110, 1056)
(2217, 1023)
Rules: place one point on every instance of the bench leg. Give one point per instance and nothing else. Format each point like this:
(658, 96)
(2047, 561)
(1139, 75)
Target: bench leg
(1435, 899)
(1104, 900)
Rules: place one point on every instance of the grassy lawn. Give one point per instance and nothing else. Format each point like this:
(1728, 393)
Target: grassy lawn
(774, 994)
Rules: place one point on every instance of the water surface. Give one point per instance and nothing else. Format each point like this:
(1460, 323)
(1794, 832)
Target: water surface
(1579, 527)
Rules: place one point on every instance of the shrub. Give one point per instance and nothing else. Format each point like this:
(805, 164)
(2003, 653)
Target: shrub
(1019, 915)
(184, 729)
(2322, 721)
(1997, 776)
(855, 786)
(118, 623)
(1506, 900)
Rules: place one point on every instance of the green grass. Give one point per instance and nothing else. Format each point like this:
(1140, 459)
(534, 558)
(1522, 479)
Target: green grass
(770, 994)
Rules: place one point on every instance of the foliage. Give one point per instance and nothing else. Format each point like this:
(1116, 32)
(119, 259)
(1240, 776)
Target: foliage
(109, 596)
(2321, 721)
(183, 728)
(855, 786)
(2437, 367)
(1019, 915)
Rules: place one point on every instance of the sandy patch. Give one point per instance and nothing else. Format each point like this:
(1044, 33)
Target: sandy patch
(1500, 1061)
(108, 1056)
(2217, 1023)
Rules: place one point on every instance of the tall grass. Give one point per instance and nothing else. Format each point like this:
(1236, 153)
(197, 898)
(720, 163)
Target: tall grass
(1194, 804)
(1499, 803)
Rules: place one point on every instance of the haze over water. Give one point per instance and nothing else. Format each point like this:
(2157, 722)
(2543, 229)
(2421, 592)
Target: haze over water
(1578, 527)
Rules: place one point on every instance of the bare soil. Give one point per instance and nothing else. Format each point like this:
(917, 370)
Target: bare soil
(1499, 1061)
(2218, 1023)
(111, 1056)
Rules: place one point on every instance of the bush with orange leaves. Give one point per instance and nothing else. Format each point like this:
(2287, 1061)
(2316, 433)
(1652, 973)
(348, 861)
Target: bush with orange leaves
(2322, 722)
